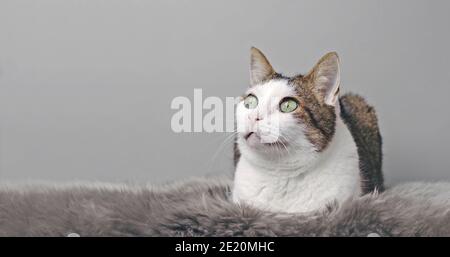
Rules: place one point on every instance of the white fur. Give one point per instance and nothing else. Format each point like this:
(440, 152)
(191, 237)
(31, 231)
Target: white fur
(295, 177)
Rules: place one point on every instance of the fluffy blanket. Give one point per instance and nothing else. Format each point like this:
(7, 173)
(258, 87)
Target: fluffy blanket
(201, 208)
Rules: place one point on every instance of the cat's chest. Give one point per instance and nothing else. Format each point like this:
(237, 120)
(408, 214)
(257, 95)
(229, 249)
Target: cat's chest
(309, 191)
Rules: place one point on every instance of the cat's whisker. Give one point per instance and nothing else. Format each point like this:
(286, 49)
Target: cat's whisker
(283, 144)
(221, 148)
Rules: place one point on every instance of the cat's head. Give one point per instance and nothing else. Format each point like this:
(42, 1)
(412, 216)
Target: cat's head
(281, 115)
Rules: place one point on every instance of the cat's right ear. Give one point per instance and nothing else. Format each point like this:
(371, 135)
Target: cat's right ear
(326, 78)
(260, 68)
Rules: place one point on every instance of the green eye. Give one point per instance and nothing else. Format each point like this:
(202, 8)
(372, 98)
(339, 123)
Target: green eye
(250, 102)
(288, 105)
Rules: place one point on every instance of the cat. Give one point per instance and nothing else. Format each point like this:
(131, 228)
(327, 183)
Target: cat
(300, 146)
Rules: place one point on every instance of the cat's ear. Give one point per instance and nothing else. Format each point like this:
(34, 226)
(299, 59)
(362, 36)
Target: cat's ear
(260, 68)
(325, 77)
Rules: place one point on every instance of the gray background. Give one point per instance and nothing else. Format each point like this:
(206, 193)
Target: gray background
(86, 86)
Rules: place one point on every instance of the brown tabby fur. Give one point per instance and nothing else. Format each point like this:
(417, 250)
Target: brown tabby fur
(361, 120)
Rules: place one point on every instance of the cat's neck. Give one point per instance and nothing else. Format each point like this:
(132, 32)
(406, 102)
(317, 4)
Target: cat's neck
(296, 185)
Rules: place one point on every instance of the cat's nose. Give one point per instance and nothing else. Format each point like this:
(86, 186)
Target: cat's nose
(254, 118)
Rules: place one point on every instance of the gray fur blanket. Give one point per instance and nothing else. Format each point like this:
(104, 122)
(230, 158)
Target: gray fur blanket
(201, 208)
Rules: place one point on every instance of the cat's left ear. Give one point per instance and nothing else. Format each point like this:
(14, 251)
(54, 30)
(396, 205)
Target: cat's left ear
(325, 77)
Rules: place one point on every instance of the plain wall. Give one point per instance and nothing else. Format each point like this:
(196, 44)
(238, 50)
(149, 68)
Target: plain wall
(86, 86)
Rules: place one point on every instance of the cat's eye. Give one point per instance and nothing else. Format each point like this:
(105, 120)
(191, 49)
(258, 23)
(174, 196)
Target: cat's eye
(288, 105)
(250, 102)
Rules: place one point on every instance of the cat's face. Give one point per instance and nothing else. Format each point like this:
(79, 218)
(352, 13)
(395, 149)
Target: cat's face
(280, 115)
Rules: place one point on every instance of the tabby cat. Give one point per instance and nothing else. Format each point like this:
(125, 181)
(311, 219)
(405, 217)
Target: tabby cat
(300, 145)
